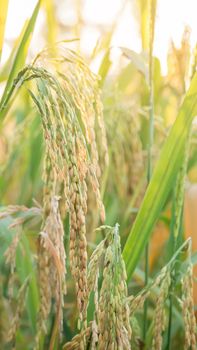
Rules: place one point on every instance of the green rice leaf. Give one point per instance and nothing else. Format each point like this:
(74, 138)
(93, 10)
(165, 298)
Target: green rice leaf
(21, 54)
(162, 180)
(6, 67)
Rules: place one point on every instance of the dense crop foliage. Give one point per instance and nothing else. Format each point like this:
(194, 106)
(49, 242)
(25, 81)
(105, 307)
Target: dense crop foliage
(94, 172)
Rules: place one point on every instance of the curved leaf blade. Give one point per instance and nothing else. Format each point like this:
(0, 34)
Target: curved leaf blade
(162, 180)
(21, 53)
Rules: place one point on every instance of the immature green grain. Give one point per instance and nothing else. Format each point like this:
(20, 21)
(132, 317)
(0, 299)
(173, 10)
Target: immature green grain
(94, 265)
(114, 331)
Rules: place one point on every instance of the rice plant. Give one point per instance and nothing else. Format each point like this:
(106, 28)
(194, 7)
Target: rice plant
(90, 169)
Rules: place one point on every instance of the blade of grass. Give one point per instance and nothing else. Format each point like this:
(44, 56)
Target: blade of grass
(3, 16)
(52, 25)
(150, 139)
(143, 13)
(162, 180)
(5, 69)
(177, 219)
(20, 57)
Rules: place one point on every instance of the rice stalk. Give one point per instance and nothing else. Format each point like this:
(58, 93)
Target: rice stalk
(152, 14)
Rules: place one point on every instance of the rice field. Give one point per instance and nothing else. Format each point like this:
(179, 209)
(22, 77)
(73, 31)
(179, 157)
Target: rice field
(98, 199)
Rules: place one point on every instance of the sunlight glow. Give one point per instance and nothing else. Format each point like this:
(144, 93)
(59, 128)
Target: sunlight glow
(172, 17)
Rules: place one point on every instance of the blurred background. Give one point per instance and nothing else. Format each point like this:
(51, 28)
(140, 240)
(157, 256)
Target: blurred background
(104, 31)
(91, 19)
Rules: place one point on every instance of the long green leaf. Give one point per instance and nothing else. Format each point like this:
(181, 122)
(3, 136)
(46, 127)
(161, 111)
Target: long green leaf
(6, 67)
(162, 180)
(21, 53)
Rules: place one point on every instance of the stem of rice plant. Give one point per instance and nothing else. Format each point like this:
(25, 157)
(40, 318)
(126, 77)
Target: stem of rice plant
(179, 201)
(173, 251)
(177, 215)
(150, 141)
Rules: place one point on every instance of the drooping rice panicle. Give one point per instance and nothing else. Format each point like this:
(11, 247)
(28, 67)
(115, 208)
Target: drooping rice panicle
(70, 109)
(52, 268)
(114, 329)
(75, 343)
(159, 317)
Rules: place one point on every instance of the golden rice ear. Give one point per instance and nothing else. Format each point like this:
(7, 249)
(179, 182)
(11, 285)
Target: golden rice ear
(70, 109)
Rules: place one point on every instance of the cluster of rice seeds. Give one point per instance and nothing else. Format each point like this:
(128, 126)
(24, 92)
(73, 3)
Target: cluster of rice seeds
(136, 302)
(82, 88)
(188, 310)
(159, 317)
(52, 269)
(44, 289)
(69, 105)
(114, 330)
(75, 343)
(93, 270)
(126, 151)
(64, 164)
